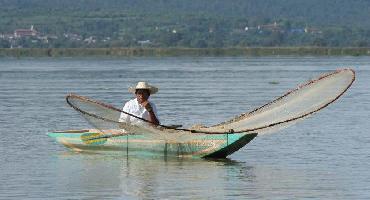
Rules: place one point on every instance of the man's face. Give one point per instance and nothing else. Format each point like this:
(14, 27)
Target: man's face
(142, 95)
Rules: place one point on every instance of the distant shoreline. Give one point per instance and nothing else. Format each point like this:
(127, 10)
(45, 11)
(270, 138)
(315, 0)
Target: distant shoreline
(127, 52)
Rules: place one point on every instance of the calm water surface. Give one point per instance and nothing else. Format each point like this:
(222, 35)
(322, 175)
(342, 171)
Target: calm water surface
(326, 156)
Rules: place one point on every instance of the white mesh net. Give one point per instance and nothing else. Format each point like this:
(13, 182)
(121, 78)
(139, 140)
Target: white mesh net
(284, 111)
(295, 104)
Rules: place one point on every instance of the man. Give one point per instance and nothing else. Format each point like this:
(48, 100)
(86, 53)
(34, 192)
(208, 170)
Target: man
(141, 106)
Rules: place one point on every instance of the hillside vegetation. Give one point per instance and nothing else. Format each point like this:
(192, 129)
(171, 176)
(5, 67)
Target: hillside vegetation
(189, 23)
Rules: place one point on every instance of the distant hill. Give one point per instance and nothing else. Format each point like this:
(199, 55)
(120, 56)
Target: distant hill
(193, 23)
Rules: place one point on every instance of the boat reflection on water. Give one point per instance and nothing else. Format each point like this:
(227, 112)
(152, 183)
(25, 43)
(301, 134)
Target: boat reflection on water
(110, 176)
(132, 177)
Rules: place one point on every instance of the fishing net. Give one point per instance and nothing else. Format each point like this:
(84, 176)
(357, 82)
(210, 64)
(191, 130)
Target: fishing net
(105, 118)
(296, 104)
(286, 110)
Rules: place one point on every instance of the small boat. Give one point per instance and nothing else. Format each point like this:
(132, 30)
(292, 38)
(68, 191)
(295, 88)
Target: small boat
(216, 141)
(209, 146)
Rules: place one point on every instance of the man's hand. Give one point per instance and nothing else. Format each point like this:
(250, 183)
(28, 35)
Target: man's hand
(153, 119)
(147, 106)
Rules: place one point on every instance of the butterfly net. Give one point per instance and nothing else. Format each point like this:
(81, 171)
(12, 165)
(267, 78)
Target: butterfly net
(296, 104)
(286, 110)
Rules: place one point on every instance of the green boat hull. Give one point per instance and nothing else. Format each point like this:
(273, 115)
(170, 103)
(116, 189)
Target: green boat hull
(209, 146)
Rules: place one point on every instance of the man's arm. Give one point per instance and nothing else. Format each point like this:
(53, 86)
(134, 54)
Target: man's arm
(124, 117)
(152, 117)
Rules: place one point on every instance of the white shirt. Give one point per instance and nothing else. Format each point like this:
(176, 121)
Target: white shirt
(133, 107)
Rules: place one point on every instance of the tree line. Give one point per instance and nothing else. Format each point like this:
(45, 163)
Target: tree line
(194, 23)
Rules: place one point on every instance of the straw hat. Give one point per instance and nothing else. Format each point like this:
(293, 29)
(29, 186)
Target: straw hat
(143, 85)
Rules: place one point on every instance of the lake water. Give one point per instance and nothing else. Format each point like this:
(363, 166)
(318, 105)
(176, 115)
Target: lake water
(326, 156)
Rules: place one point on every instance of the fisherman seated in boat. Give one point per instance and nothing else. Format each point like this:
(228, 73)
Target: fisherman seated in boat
(140, 106)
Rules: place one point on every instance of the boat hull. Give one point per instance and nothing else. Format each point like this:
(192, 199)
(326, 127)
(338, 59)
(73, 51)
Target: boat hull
(211, 146)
